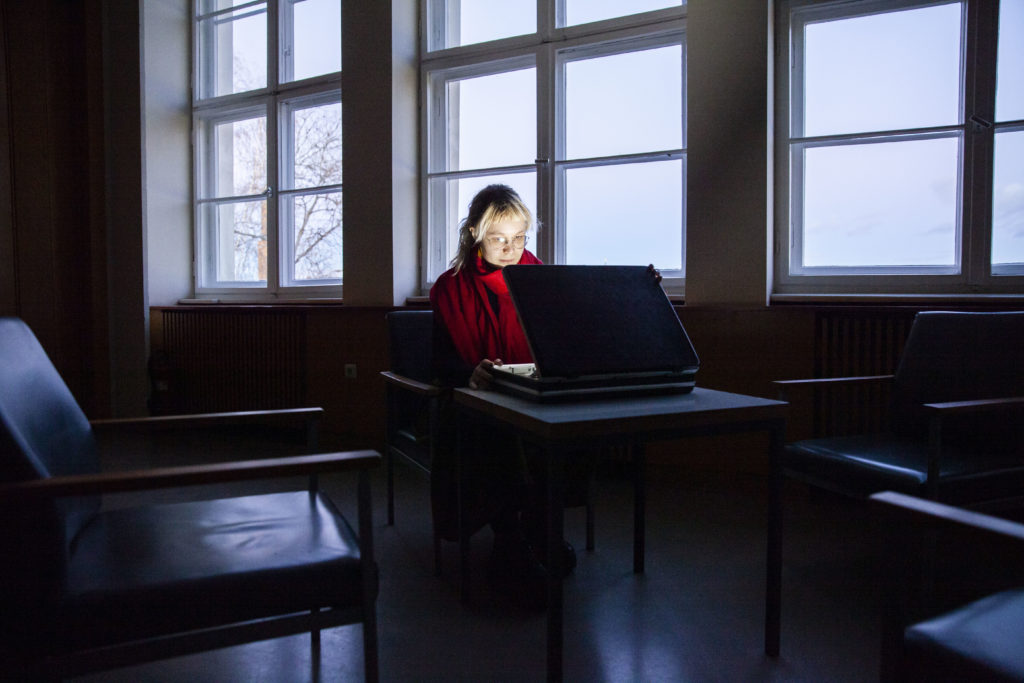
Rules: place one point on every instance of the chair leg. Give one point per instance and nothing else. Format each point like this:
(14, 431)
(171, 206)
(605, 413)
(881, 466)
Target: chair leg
(314, 649)
(371, 670)
(590, 515)
(437, 554)
(390, 457)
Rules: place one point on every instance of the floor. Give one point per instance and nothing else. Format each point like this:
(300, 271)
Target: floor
(695, 615)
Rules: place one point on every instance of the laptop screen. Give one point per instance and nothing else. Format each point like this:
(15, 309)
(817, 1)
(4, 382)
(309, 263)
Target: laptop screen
(598, 320)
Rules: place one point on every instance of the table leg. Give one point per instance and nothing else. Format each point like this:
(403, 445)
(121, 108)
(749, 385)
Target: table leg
(639, 455)
(555, 521)
(773, 589)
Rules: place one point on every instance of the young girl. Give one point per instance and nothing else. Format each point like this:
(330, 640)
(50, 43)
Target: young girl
(477, 322)
(475, 328)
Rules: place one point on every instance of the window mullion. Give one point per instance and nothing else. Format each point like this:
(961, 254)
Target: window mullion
(547, 135)
(274, 198)
(550, 15)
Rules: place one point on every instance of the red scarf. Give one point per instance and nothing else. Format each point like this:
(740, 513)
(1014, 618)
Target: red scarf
(478, 332)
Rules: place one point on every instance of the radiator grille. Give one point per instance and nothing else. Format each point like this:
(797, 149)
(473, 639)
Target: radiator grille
(230, 360)
(852, 343)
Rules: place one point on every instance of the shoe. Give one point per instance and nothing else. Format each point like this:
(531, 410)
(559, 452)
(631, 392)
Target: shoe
(513, 569)
(534, 527)
(568, 559)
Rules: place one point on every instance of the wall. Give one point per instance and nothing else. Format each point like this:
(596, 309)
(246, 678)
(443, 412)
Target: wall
(728, 180)
(55, 233)
(95, 225)
(380, 151)
(167, 147)
(302, 361)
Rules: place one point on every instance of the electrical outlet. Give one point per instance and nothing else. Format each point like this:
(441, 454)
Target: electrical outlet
(350, 370)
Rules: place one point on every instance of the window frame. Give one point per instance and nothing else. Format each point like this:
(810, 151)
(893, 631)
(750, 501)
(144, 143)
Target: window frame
(972, 272)
(271, 102)
(547, 51)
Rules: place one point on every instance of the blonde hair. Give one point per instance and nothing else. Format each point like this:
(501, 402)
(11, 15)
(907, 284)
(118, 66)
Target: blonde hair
(493, 204)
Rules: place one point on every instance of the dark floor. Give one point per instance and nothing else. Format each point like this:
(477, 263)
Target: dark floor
(695, 615)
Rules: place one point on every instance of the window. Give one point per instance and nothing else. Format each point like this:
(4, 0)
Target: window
(267, 126)
(578, 105)
(900, 146)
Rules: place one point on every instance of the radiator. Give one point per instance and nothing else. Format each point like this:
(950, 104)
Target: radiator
(211, 361)
(850, 343)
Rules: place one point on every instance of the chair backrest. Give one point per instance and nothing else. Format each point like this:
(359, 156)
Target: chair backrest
(43, 432)
(957, 356)
(411, 336)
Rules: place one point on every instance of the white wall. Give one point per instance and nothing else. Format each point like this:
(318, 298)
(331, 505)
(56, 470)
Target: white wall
(167, 188)
(379, 151)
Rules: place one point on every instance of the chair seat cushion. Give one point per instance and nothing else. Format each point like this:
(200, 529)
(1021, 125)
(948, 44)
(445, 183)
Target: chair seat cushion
(865, 464)
(978, 642)
(148, 570)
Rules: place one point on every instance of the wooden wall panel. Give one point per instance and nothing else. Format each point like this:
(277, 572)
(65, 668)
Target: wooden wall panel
(53, 201)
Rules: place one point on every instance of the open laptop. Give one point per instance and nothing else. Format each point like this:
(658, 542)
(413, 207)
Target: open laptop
(596, 331)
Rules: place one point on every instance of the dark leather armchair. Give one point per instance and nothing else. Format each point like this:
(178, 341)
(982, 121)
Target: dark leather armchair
(957, 611)
(86, 587)
(412, 402)
(952, 429)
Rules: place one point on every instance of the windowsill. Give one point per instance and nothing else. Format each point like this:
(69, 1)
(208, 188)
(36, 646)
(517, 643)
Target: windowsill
(898, 299)
(676, 299)
(261, 302)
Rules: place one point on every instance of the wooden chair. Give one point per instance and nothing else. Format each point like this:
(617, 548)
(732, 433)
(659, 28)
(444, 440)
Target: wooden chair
(87, 588)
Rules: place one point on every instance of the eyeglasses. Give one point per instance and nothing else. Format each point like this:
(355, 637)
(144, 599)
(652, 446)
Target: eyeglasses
(500, 241)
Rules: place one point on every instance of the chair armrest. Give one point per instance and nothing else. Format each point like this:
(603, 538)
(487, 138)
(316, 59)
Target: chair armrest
(900, 506)
(409, 384)
(831, 406)
(278, 417)
(937, 412)
(914, 530)
(783, 384)
(192, 475)
(987, 405)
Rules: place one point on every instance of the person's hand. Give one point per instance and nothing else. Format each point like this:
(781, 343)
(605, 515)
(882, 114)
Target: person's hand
(481, 376)
(654, 271)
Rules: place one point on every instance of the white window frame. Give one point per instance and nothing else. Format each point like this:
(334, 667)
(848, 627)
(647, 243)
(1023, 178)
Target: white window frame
(972, 272)
(547, 50)
(270, 101)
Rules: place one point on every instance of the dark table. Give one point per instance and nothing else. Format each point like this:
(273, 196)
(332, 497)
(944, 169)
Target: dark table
(631, 421)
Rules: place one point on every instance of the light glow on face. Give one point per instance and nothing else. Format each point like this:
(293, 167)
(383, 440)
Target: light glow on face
(503, 243)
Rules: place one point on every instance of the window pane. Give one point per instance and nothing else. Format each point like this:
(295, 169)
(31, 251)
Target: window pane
(236, 242)
(477, 21)
(316, 146)
(1010, 69)
(884, 204)
(492, 120)
(624, 103)
(316, 229)
(450, 200)
(882, 72)
(1008, 199)
(314, 48)
(525, 185)
(630, 214)
(233, 52)
(240, 157)
(584, 11)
